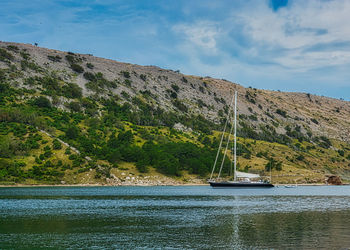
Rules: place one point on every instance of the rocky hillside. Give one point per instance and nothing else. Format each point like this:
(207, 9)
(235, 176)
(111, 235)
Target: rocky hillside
(150, 96)
(173, 91)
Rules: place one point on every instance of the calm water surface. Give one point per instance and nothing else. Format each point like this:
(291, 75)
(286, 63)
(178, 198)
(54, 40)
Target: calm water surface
(175, 217)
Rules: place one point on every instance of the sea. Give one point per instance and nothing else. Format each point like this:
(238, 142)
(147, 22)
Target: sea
(174, 217)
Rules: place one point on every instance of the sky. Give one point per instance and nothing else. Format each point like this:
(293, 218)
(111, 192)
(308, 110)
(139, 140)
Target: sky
(287, 45)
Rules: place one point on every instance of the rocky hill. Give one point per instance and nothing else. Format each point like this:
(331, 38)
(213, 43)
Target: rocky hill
(83, 88)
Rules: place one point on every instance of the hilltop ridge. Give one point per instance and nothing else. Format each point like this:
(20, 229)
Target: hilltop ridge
(330, 114)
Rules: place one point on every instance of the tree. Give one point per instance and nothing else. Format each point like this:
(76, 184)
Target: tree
(273, 164)
(125, 138)
(42, 102)
(152, 151)
(279, 166)
(5, 146)
(114, 156)
(72, 132)
(132, 153)
(168, 164)
(113, 141)
(74, 106)
(141, 165)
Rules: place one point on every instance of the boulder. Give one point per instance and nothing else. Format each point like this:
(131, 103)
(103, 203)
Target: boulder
(334, 180)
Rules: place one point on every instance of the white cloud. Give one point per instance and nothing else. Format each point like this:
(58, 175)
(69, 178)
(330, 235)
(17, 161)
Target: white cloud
(301, 25)
(285, 37)
(202, 34)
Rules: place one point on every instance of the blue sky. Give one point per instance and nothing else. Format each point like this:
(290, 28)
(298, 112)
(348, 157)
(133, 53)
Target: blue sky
(287, 45)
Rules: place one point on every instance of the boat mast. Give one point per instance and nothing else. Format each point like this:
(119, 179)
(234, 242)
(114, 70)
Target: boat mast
(222, 138)
(270, 174)
(235, 140)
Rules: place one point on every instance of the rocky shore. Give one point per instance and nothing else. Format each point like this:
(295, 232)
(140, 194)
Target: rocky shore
(131, 180)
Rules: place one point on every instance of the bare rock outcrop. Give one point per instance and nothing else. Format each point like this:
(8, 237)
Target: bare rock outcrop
(334, 180)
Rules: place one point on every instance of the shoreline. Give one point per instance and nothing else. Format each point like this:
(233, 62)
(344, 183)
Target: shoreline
(169, 185)
(98, 185)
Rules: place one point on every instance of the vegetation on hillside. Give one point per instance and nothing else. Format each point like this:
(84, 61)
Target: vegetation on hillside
(50, 129)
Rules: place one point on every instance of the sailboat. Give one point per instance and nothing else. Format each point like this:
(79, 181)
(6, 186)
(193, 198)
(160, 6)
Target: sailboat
(244, 178)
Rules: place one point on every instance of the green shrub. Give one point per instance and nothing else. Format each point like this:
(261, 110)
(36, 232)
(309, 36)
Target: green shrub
(66, 166)
(89, 76)
(143, 77)
(8, 169)
(5, 56)
(93, 87)
(74, 106)
(55, 58)
(13, 48)
(72, 90)
(279, 166)
(281, 113)
(24, 55)
(114, 156)
(201, 104)
(182, 107)
(273, 164)
(141, 166)
(72, 157)
(168, 164)
(50, 83)
(78, 161)
(341, 152)
(314, 120)
(250, 96)
(126, 74)
(90, 65)
(72, 132)
(30, 81)
(125, 138)
(103, 170)
(42, 102)
(37, 160)
(300, 157)
(77, 68)
(47, 154)
(125, 95)
(175, 87)
(323, 142)
(173, 94)
(56, 144)
(30, 65)
(246, 168)
(127, 82)
(71, 58)
(68, 151)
